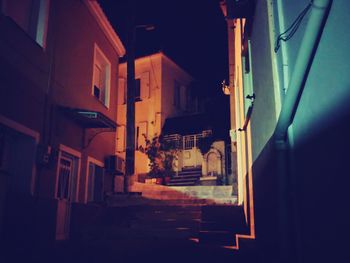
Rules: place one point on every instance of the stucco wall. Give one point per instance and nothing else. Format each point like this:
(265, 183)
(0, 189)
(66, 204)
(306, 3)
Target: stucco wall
(171, 73)
(148, 109)
(263, 119)
(317, 171)
(24, 76)
(159, 106)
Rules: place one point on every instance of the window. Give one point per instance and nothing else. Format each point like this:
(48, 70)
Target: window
(176, 94)
(95, 182)
(138, 90)
(189, 99)
(137, 137)
(142, 88)
(121, 138)
(121, 91)
(140, 133)
(30, 15)
(67, 177)
(101, 77)
(247, 77)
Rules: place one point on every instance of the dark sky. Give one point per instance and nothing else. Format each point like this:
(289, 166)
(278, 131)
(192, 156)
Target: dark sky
(191, 32)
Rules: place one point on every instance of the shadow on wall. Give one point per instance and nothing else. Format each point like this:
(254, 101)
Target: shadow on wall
(319, 169)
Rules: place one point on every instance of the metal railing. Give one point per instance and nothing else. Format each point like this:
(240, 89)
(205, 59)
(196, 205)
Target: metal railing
(187, 142)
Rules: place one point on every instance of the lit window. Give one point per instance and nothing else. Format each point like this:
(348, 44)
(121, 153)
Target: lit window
(101, 77)
(30, 15)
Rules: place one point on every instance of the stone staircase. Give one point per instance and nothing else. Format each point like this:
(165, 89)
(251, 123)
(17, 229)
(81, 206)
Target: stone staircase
(220, 224)
(215, 194)
(202, 224)
(186, 177)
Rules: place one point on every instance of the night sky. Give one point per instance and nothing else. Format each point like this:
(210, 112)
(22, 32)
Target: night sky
(191, 32)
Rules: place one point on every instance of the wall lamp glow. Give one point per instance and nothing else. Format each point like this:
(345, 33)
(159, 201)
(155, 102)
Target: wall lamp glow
(225, 88)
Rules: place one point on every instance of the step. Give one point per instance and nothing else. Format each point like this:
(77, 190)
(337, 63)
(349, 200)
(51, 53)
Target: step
(198, 168)
(159, 217)
(222, 226)
(186, 176)
(186, 183)
(189, 174)
(217, 238)
(183, 179)
(223, 213)
(169, 223)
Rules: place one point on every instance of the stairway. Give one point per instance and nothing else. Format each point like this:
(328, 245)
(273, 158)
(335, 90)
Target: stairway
(186, 177)
(220, 224)
(135, 218)
(182, 195)
(154, 221)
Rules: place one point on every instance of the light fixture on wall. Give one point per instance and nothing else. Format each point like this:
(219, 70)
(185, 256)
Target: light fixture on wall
(225, 88)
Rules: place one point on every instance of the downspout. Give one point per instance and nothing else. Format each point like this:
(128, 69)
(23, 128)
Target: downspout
(314, 27)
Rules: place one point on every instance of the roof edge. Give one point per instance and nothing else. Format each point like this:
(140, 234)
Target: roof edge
(97, 12)
(161, 54)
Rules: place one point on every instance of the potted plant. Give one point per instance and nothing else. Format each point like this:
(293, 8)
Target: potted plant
(161, 154)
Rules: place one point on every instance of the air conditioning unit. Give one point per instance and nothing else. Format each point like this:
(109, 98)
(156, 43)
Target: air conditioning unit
(115, 164)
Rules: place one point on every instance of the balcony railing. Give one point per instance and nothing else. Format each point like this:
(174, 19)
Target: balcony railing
(187, 142)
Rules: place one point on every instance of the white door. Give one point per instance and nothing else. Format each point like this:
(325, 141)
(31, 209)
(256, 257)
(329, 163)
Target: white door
(66, 193)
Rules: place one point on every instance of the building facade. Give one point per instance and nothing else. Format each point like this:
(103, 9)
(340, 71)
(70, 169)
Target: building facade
(288, 83)
(57, 115)
(162, 91)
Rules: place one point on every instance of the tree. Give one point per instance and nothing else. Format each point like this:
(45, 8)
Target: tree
(162, 154)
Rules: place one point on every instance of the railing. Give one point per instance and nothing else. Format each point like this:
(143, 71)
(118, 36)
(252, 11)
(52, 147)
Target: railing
(187, 142)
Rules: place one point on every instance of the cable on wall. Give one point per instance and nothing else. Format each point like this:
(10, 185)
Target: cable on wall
(289, 33)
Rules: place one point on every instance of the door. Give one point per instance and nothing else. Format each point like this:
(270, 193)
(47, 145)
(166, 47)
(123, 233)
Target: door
(212, 164)
(189, 151)
(66, 193)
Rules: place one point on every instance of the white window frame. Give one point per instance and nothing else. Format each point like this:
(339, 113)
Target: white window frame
(63, 148)
(107, 72)
(96, 162)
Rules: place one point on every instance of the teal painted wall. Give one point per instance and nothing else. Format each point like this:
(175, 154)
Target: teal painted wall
(263, 119)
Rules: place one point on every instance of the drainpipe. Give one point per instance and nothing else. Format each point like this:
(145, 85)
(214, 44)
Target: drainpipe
(314, 27)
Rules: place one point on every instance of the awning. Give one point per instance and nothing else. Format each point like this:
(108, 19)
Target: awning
(89, 119)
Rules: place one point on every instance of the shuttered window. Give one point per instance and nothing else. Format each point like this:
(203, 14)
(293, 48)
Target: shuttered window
(121, 138)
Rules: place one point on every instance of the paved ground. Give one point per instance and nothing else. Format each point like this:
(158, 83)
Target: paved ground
(136, 232)
(143, 250)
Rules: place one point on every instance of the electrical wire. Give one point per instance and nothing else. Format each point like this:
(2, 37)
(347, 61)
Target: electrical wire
(289, 33)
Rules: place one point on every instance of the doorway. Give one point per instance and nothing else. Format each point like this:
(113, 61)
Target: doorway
(66, 191)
